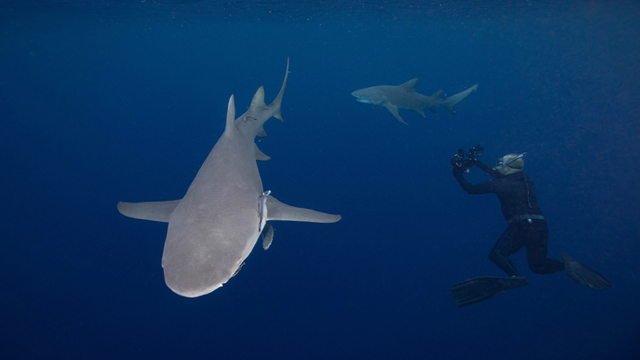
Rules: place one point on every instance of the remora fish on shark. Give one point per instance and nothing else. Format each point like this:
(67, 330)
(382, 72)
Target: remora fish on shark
(217, 223)
(405, 97)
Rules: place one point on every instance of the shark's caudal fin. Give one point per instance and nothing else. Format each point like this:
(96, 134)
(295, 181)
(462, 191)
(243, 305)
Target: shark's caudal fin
(451, 101)
(154, 211)
(261, 112)
(284, 212)
(275, 105)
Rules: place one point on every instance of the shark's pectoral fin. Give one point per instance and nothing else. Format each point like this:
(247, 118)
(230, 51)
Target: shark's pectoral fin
(154, 211)
(260, 155)
(284, 212)
(394, 110)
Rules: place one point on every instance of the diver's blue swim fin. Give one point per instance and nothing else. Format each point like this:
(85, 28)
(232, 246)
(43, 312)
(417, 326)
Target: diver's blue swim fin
(484, 288)
(583, 274)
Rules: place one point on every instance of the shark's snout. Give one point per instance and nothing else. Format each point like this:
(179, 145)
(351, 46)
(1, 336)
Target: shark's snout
(360, 97)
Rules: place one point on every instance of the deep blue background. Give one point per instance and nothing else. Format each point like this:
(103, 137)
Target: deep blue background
(110, 101)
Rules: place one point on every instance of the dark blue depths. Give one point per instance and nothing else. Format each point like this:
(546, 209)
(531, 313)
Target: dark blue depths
(98, 107)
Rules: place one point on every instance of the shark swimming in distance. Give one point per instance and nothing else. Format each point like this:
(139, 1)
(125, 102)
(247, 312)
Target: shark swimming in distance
(214, 227)
(405, 97)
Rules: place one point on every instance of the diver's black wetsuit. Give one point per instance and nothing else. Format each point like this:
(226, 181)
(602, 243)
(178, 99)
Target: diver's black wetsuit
(526, 228)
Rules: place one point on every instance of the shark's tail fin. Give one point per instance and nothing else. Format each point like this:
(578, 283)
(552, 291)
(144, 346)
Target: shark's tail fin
(275, 105)
(451, 101)
(261, 112)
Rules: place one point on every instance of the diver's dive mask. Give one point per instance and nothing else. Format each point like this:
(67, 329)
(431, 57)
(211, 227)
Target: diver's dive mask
(502, 164)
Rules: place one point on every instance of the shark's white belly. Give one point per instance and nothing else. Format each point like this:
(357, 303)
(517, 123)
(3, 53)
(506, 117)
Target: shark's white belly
(215, 227)
(203, 250)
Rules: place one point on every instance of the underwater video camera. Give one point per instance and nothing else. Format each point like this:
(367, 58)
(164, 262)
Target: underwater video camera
(460, 162)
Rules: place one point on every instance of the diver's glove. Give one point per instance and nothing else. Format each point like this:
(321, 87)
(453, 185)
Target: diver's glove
(459, 162)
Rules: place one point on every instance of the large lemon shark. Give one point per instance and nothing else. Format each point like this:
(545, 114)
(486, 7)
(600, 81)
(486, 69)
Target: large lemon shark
(405, 97)
(214, 227)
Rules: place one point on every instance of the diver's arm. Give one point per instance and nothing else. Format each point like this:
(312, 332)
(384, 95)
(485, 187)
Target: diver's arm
(484, 167)
(484, 188)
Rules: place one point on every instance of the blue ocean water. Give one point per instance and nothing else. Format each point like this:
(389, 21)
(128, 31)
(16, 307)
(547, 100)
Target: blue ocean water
(105, 101)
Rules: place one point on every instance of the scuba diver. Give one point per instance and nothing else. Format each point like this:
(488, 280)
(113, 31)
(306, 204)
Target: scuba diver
(527, 228)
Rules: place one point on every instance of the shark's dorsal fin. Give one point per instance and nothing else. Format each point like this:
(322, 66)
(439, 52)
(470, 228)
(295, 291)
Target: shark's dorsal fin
(258, 100)
(260, 155)
(280, 211)
(410, 85)
(231, 116)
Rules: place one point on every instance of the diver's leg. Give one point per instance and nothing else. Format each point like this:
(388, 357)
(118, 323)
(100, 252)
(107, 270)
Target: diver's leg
(536, 244)
(484, 288)
(506, 246)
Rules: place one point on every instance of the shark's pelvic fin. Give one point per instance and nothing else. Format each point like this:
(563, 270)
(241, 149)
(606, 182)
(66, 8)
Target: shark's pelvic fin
(281, 211)
(410, 85)
(261, 133)
(260, 155)
(451, 101)
(154, 211)
(394, 110)
(231, 116)
(268, 237)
